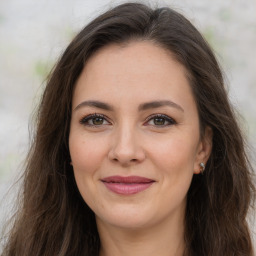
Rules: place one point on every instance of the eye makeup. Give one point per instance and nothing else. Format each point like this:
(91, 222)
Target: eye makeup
(155, 120)
(160, 120)
(94, 120)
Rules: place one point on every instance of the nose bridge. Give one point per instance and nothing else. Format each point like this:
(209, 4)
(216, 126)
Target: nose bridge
(126, 146)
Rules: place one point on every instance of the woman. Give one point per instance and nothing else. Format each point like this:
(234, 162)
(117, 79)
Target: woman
(137, 150)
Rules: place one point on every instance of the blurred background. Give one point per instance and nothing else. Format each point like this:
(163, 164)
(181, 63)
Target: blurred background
(34, 33)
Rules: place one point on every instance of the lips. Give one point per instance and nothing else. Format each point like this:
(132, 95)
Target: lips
(127, 185)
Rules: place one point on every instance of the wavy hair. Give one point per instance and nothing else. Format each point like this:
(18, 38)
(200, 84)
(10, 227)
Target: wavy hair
(54, 220)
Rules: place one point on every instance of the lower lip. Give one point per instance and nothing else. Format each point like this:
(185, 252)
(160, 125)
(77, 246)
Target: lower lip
(127, 188)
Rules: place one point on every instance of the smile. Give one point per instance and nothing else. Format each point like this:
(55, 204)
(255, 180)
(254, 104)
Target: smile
(127, 185)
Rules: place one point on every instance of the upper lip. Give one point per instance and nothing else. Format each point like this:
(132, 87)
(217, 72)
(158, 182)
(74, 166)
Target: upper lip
(127, 179)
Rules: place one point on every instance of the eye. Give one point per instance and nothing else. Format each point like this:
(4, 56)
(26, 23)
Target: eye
(160, 120)
(94, 120)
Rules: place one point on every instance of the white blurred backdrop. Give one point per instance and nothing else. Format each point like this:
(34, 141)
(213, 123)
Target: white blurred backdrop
(34, 33)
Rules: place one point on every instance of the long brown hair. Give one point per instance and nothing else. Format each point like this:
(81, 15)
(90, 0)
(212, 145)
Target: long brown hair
(53, 218)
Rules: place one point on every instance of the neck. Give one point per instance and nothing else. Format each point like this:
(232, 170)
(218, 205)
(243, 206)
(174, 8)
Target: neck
(165, 239)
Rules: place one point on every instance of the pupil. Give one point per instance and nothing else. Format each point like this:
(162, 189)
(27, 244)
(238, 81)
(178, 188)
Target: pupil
(97, 120)
(159, 121)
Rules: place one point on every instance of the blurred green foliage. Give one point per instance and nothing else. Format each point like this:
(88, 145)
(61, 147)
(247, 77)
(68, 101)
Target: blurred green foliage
(225, 14)
(210, 35)
(217, 43)
(5, 165)
(69, 32)
(42, 68)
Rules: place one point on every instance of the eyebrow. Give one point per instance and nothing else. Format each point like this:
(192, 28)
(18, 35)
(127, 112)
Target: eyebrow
(96, 104)
(142, 107)
(160, 103)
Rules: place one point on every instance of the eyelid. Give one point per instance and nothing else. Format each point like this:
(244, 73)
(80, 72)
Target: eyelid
(84, 121)
(166, 117)
(86, 118)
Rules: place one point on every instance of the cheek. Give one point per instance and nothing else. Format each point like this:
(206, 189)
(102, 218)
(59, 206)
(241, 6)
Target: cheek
(174, 161)
(176, 153)
(85, 153)
(87, 156)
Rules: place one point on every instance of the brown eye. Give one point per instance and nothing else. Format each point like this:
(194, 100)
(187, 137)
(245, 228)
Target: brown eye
(94, 120)
(159, 121)
(97, 120)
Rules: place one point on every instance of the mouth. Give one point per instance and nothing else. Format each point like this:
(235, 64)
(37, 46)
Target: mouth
(127, 185)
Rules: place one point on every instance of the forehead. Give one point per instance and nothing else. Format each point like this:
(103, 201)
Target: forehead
(138, 70)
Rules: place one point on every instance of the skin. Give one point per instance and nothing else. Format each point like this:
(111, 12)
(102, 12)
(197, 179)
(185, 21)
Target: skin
(130, 141)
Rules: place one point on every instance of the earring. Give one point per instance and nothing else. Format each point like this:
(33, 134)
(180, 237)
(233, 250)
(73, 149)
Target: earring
(202, 165)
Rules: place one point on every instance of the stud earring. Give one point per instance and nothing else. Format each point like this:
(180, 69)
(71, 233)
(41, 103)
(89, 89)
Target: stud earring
(202, 165)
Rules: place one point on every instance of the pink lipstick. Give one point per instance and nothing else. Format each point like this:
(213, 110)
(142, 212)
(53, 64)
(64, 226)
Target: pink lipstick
(127, 185)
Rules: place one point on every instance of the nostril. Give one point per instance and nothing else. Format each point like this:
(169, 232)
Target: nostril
(132, 160)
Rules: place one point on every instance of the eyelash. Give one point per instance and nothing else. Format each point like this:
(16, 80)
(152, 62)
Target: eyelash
(85, 120)
(170, 120)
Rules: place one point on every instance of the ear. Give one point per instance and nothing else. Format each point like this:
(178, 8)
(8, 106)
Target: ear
(204, 149)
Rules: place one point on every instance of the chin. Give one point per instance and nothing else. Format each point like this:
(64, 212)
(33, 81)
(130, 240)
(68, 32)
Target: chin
(127, 219)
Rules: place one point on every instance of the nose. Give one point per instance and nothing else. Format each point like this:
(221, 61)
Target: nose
(126, 147)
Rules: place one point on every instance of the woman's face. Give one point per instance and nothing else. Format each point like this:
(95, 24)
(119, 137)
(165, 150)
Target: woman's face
(134, 135)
